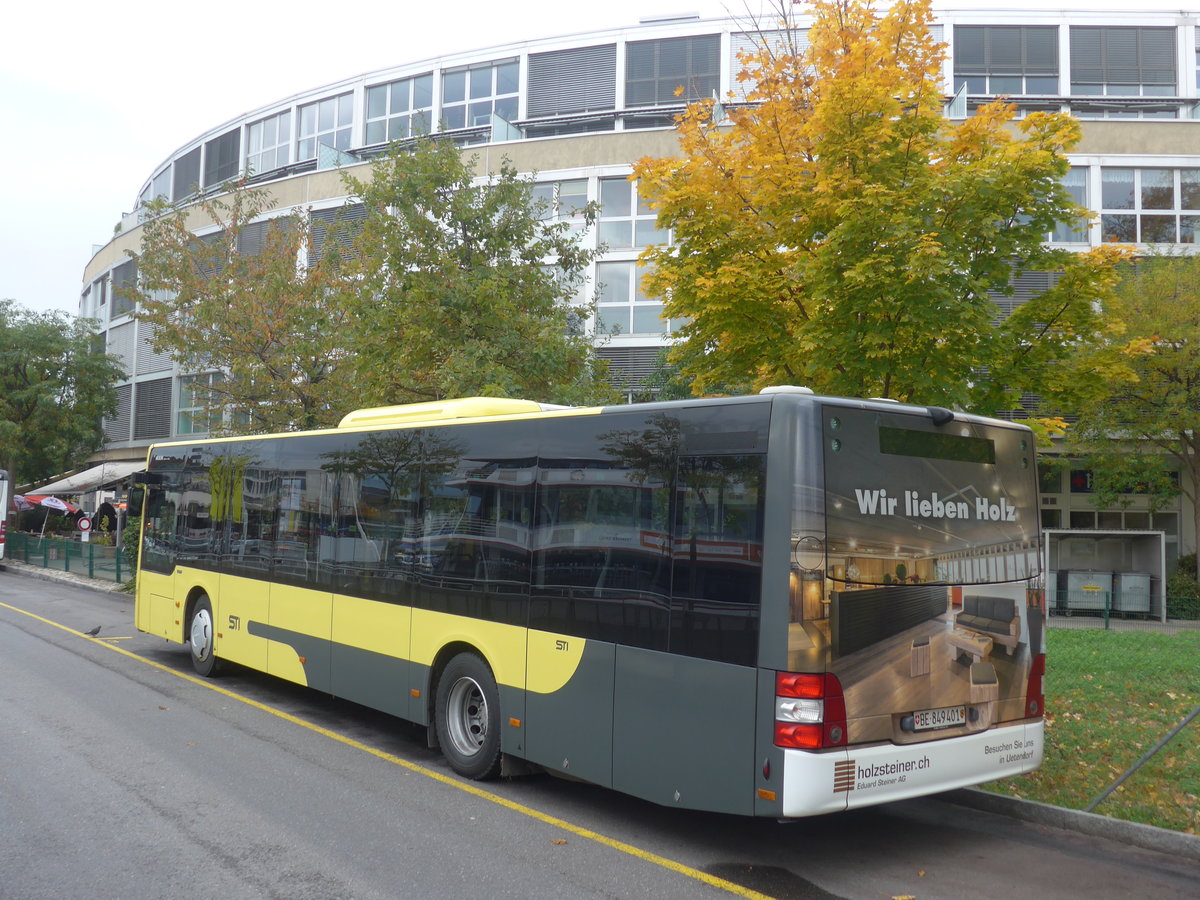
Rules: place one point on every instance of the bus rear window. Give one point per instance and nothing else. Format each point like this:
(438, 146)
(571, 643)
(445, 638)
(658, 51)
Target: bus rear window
(935, 445)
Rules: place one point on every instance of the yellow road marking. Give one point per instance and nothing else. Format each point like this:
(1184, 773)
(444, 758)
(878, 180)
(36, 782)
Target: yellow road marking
(465, 786)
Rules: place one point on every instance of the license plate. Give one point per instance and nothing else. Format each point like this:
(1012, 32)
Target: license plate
(939, 718)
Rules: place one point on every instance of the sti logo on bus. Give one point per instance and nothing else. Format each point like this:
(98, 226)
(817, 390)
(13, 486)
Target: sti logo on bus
(878, 503)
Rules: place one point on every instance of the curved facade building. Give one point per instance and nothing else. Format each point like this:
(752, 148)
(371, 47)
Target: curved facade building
(579, 109)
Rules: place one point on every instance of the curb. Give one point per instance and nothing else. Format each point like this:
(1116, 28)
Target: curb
(1148, 837)
(96, 584)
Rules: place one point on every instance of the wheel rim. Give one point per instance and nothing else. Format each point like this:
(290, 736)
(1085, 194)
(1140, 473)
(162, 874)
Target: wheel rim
(467, 716)
(202, 635)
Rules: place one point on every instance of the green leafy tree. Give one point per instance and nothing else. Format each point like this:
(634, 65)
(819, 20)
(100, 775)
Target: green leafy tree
(253, 301)
(839, 232)
(55, 385)
(1138, 395)
(465, 287)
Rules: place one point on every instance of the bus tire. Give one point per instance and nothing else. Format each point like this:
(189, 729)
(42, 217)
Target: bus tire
(467, 716)
(202, 638)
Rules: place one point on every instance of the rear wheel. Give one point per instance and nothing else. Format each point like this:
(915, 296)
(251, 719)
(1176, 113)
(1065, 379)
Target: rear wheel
(467, 716)
(202, 637)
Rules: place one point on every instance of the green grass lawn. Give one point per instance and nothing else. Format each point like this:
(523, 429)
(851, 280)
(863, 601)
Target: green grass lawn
(1110, 697)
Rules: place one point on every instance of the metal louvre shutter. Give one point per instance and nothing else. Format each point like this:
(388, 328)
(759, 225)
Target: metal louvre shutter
(116, 428)
(320, 221)
(221, 157)
(654, 69)
(121, 345)
(1041, 50)
(1122, 56)
(572, 81)
(253, 236)
(629, 367)
(147, 359)
(751, 42)
(187, 175)
(1026, 286)
(1087, 61)
(152, 410)
(1157, 56)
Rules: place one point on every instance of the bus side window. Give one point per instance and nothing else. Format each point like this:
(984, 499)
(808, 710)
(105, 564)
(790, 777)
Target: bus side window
(717, 557)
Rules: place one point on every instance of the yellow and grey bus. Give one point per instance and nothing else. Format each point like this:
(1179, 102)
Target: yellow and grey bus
(773, 605)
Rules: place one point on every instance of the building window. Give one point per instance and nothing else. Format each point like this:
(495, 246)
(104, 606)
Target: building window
(624, 306)
(626, 221)
(195, 414)
(1006, 59)
(563, 201)
(400, 109)
(672, 71)
(1075, 183)
(124, 284)
(269, 143)
(221, 158)
(471, 96)
(1081, 518)
(327, 122)
(159, 188)
(1049, 479)
(1149, 206)
(1123, 62)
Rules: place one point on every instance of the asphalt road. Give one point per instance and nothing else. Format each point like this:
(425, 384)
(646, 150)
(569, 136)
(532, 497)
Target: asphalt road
(124, 776)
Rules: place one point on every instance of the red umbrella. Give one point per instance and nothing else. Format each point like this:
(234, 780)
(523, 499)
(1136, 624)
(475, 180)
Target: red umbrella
(48, 502)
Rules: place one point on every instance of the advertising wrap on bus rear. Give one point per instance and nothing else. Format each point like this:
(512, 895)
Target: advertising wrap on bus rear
(914, 581)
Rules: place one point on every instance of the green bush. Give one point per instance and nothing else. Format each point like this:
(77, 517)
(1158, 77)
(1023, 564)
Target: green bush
(131, 536)
(1183, 591)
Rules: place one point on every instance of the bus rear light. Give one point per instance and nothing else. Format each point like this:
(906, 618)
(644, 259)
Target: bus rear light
(799, 737)
(810, 711)
(796, 684)
(1035, 700)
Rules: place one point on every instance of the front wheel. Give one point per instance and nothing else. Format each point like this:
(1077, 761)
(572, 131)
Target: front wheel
(202, 637)
(468, 717)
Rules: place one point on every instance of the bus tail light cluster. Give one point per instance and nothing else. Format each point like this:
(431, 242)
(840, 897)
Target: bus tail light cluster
(810, 711)
(1035, 700)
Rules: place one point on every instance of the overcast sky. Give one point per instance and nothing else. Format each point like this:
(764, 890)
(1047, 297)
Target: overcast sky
(94, 96)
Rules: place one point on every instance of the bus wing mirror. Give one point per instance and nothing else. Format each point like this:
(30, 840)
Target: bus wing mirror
(136, 500)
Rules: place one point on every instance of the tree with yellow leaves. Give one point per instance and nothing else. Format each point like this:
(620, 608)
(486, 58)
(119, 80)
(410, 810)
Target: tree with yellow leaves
(838, 231)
